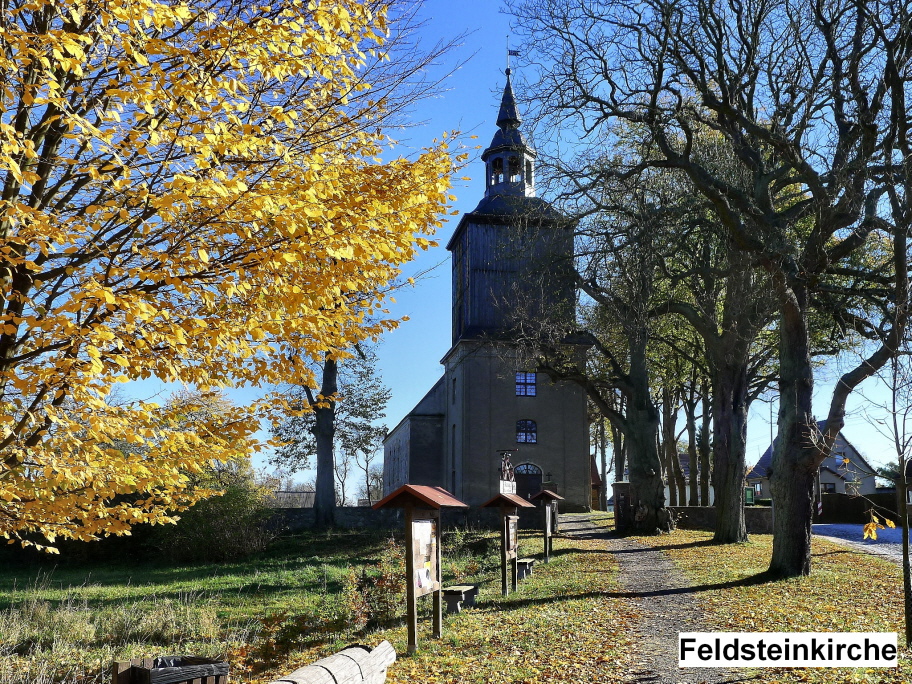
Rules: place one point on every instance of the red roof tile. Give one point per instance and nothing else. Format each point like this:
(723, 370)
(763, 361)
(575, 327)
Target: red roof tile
(432, 497)
(509, 500)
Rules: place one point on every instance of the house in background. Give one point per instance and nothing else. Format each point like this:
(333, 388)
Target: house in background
(684, 460)
(836, 477)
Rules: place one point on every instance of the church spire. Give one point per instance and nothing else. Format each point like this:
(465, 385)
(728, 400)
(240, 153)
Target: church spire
(509, 161)
(508, 116)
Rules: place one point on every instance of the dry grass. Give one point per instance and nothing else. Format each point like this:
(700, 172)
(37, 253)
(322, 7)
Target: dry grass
(847, 591)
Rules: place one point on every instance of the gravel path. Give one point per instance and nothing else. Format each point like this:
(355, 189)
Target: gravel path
(666, 605)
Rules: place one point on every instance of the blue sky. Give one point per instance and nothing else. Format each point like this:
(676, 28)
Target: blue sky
(410, 356)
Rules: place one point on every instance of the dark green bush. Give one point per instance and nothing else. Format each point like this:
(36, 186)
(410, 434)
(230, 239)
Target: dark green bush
(222, 528)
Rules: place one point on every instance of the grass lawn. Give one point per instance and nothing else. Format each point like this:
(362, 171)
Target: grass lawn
(292, 605)
(283, 609)
(847, 591)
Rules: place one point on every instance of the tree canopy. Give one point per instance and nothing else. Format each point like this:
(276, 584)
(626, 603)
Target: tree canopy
(193, 192)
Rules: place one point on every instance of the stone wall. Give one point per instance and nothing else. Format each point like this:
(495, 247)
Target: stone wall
(363, 517)
(759, 519)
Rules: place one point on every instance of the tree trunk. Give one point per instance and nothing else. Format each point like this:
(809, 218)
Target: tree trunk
(603, 499)
(729, 406)
(690, 413)
(619, 442)
(324, 431)
(704, 446)
(795, 458)
(647, 488)
(677, 486)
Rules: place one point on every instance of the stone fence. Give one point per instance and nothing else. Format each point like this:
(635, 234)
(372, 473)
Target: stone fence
(759, 519)
(364, 517)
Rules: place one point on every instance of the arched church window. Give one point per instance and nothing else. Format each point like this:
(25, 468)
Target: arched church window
(528, 172)
(497, 168)
(515, 168)
(526, 432)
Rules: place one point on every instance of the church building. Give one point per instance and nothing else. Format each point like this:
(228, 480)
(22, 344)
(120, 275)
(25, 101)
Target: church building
(507, 255)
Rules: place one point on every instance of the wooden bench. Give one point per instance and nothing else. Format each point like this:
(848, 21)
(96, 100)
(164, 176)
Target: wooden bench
(524, 567)
(170, 670)
(458, 595)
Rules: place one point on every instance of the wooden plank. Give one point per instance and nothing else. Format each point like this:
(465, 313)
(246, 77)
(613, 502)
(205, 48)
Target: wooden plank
(120, 672)
(193, 674)
(353, 665)
(411, 603)
(310, 674)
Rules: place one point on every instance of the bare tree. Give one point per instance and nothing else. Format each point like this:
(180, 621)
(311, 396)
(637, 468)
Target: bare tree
(334, 424)
(812, 99)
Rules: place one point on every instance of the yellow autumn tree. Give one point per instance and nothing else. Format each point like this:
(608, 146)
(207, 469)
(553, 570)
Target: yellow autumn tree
(189, 191)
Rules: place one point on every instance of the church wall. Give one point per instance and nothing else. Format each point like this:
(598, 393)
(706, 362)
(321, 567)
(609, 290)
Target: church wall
(426, 451)
(395, 457)
(486, 422)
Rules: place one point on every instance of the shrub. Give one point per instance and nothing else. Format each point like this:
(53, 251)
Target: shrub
(226, 527)
(383, 588)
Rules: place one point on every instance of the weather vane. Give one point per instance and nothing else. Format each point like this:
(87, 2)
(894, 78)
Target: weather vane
(510, 53)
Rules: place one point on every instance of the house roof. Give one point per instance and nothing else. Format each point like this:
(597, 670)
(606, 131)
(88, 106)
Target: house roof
(762, 468)
(594, 475)
(684, 460)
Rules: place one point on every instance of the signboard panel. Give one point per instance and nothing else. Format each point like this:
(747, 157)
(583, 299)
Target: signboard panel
(424, 552)
(507, 487)
(512, 536)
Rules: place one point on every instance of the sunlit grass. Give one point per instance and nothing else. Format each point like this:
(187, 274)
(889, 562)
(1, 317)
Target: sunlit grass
(847, 591)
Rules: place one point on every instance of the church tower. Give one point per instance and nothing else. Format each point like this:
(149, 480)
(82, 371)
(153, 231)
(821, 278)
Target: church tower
(507, 257)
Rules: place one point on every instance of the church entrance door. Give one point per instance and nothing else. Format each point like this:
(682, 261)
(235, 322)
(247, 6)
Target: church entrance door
(528, 479)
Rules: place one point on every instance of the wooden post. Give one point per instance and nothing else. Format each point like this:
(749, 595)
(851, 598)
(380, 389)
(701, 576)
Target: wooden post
(504, 536)
(549, 502)
(438, 593)
(411, 604)
(509, 529)
(513, 528)
(547, 509)
(423, 542)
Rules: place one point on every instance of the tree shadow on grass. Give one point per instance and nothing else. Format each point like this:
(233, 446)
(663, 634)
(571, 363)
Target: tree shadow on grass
(764, 577)
(640, 549)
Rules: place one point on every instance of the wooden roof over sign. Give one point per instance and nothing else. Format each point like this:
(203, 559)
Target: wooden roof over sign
(547, 495)
(421, 496)
(508, 500)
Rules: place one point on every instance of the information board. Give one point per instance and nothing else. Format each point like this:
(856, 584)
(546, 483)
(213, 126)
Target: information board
(512, 535)
(424, 550)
